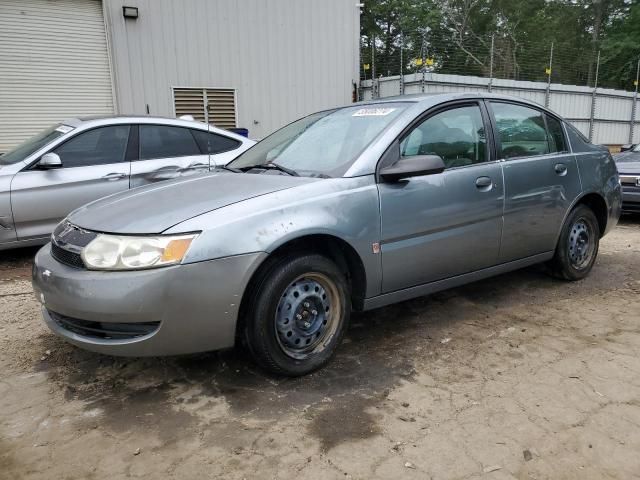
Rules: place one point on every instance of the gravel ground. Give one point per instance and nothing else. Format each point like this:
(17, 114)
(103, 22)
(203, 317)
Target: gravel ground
(520, 376)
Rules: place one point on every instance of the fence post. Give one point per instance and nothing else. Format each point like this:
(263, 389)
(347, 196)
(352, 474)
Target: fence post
(401, 63)
(374, 88)
(632, 125)
(594, 96)
(548, 94)
(490, 85)
(423, 59)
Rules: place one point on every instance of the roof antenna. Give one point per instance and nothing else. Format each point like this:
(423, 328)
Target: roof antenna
(206, 119)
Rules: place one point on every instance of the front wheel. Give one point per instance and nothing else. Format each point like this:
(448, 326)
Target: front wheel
(577, 247)
(298, 316)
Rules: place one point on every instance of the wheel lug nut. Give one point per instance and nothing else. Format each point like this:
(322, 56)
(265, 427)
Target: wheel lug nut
(314, 312)
(306, 304)
(307, 324)
(298, 316)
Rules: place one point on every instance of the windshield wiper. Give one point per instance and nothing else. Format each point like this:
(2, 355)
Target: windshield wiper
(274, 166)
(231, 169)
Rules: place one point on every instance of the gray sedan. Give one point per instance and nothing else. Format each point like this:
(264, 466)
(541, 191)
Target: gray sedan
(628, 163)
(347, 209)
(81, 160)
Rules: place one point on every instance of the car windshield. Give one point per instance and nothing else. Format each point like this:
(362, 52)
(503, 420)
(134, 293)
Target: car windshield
(324, 144)
(33, 144)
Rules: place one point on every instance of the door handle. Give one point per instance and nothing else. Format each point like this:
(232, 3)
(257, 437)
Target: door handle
(561, 169)
(114, 176)
(484, 183)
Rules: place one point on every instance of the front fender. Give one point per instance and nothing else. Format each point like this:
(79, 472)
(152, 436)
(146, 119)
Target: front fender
(7, 230)
(346, 208)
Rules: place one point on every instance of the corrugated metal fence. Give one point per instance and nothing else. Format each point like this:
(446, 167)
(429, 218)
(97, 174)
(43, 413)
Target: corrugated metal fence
(605, 116)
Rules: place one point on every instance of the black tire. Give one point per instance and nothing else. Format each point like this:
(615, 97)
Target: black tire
(578, 245)
(291, 289)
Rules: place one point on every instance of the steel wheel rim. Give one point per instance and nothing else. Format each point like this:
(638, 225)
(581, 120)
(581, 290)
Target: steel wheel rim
(581, 244)
(307, 315)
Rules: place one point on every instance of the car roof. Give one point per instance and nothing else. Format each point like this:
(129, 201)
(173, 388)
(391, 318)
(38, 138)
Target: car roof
(430, 99)
(94, 121)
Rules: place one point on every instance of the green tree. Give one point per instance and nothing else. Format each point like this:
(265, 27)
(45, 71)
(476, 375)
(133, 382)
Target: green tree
(621, 49)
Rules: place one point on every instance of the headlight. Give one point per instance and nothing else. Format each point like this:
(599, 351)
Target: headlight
(119, 252)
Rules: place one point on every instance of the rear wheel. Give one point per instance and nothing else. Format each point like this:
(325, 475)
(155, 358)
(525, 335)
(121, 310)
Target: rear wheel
(577, 247)
(298, 316)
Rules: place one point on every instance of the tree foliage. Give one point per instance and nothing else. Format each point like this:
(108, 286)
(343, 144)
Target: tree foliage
(455, 36)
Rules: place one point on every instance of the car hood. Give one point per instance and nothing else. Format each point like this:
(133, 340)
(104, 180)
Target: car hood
(154, 209)
(628, 162)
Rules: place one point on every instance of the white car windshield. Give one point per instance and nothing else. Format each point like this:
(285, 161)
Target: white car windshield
(324, 144)
(34, 144)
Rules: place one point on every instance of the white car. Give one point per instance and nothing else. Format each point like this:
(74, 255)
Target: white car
(81, 160)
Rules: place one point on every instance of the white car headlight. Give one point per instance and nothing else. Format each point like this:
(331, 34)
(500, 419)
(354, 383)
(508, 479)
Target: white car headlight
(121, 252)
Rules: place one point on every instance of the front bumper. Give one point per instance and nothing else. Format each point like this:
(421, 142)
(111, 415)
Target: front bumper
(630, 199)
(192, 307)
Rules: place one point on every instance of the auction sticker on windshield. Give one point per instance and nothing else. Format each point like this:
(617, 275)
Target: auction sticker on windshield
(373, 112)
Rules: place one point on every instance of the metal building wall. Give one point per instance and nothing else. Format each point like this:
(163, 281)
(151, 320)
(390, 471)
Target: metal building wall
(611, 113)
(285, 58)
(53, 65)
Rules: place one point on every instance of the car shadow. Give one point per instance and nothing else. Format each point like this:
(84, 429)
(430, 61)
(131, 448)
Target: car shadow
(16, 264)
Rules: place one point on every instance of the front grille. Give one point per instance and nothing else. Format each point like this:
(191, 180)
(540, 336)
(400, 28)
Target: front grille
(65, 256)
(104, 330)
(68, 241)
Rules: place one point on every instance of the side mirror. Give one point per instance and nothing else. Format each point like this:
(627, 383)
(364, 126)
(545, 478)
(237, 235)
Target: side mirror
(626, 148)
(413, 167)
(49, 161)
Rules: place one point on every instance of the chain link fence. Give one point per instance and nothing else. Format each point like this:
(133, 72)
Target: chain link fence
(596, 93)
(496, 57)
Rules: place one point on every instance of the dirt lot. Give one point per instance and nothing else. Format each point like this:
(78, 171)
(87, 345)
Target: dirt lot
(520, 376)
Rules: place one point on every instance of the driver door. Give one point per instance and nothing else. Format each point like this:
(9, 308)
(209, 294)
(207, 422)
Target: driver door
(447, 224)
(93, 166)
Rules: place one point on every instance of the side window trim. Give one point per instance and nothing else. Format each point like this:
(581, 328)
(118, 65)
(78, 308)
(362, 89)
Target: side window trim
(133, 145)
(547, 132)
(489, 157)
(566, 135)
(498, 141)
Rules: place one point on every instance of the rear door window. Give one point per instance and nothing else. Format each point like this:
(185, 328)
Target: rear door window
(213, 143)
(161, 141)
(521, 131)
(557, 142)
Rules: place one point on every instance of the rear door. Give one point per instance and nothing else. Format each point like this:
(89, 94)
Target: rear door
(443, 225)
(540, 174)
(94, 165)
(221, 149)
(166, 152)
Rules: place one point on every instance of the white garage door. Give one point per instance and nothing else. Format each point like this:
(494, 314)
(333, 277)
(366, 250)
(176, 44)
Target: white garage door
(54, 65)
